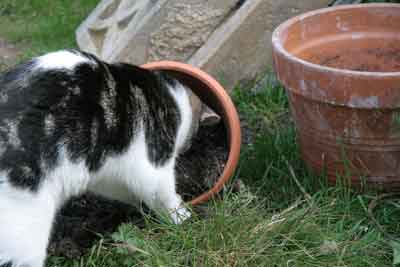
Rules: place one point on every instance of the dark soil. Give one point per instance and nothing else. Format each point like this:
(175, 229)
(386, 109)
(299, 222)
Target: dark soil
(382, 59)
(84, 220)
(199, 168)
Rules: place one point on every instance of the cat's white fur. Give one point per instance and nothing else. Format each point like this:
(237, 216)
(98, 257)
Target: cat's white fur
(26, 218)
(60, 60)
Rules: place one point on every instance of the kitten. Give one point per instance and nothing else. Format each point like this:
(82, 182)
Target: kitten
(71, 123)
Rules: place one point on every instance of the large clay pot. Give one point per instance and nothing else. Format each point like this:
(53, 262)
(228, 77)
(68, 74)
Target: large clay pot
(341, 69)
(213, 95)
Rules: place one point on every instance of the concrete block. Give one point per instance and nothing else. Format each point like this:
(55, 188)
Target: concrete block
(140, 31)
(240, 49)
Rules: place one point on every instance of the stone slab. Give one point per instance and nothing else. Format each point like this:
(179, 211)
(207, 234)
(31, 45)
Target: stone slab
(240, 49)
(140, 31)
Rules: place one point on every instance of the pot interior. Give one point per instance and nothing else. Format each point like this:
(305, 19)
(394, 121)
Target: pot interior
(359, 38)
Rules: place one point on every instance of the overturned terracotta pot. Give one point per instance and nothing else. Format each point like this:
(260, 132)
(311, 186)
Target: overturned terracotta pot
(341, 69)
(214, 96)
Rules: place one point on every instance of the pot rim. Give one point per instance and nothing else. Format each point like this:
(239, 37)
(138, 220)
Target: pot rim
(278, 46)
(230, 117)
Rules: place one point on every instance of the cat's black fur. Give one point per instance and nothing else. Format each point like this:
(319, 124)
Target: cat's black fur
(92, 111)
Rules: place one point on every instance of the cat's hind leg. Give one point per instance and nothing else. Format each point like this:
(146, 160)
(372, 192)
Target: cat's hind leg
(25, 224)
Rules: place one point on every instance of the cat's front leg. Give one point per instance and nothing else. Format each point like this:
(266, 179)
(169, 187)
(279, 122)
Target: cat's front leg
(169, 200)
(156, 188)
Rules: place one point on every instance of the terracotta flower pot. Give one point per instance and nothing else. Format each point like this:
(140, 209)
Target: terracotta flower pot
(211, 93)
(341, 69)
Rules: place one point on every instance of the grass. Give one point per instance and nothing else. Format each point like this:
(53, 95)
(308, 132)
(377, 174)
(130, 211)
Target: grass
(42, 25)
(285, 216)
(273, 222)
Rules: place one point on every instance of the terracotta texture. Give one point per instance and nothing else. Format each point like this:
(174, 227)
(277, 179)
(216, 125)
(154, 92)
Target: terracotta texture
(341, 69)
(214, 96)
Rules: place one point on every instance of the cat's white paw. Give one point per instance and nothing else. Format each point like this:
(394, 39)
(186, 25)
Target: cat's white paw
(179, 215)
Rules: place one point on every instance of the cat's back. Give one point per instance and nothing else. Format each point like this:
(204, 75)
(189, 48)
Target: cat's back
(38, 102)
(37, 93)
(44, 81)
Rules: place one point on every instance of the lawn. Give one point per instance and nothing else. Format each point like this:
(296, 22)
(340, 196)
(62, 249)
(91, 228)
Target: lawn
(284, 216)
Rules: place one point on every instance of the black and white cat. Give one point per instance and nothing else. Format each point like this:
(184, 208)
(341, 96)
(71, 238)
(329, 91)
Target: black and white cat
(70, 123)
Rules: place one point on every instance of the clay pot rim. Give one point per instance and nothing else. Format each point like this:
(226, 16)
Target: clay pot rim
(277, 41)
(230, 117)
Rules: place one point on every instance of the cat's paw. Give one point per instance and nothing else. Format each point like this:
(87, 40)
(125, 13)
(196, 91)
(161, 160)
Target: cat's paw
(179, 215)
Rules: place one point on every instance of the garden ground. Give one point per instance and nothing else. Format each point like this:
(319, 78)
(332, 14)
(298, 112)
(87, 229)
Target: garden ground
(284, 216)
